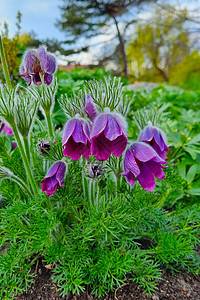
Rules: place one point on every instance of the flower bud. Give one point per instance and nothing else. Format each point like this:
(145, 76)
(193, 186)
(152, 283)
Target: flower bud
(54, 178)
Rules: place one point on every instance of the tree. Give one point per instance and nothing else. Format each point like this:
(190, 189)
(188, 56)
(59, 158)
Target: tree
(158, 46)
(91, 18)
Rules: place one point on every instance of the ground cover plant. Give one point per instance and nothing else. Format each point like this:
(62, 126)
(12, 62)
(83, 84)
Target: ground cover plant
(84, 197)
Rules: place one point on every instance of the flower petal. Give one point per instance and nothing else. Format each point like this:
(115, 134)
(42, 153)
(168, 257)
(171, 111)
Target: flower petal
(90, 108)
(156, 169)
(112, 129)
(146, 135)
(99, 125)
(129, 178)
(51, 182)
(8, 130)
(36, 79)
(29, 60)
(130, 163)
(42, 56)
(119, 145)
(142, 151)
(68, 130)
(146, 178)
(60, 174)
(75, 150)
(52, 171)
(78, 133)
(51, 64)
(26, 77)
(86, 130)
(101, 147)
(50, 192)
(48, 78)
(157, 137)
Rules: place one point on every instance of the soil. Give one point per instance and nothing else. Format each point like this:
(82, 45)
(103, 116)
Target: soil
(179, 286)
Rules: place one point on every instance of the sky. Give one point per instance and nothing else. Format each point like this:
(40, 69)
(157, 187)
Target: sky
(40, 16)
(37, 15)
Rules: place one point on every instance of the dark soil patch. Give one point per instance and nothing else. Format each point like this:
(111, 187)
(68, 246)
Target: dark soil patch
(180, 286)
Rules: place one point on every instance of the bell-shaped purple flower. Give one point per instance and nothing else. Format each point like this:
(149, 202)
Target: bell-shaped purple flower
(76, 139)
(156, 138)
(54, 178)
(36, 63)
(142, 162)
(108, 135)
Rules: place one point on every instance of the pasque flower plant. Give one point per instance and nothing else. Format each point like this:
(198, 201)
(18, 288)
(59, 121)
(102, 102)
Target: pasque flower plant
(73, 173)
(96, 126)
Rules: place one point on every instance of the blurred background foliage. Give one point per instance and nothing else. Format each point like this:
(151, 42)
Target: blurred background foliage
(162, 47)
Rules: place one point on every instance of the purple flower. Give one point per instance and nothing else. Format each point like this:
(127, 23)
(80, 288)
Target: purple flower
(142, 162)
(156, 138)
(54, 178)
(6, 129)
(108, 135)
(90, 108)
(37, 63)
(76, 139)
(13, 146)
(44, 147)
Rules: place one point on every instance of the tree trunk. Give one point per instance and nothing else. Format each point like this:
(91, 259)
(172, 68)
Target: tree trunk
(121, 41)
(164, 75)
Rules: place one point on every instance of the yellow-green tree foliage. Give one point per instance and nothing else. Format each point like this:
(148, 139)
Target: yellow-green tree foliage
(13, 49)
(160, 49)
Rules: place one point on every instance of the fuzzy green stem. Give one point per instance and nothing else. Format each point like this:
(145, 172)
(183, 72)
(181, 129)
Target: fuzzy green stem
(25, 160)
(27, 148)
(4, 64)
(49, 124)
(20, 183)
(40, 124)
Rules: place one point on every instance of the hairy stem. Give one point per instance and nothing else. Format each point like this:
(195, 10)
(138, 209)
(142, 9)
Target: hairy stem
(40, 124)
(27, 148)
(4, 64)
(25, 160)
(49, 124)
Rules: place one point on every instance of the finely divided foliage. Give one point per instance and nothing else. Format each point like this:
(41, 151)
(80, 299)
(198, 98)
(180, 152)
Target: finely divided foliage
(67, 194)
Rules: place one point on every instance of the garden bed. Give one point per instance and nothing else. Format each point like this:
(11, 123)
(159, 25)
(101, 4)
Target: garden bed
(178, 286)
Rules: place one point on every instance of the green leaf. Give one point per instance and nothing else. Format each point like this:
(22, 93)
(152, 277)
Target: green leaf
(194, 191)
(193, 152)
(191, 173)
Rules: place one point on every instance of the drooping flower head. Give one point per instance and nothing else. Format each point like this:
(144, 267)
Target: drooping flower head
(76, 139)
(54, 178)
(108, 135)
(156, 138)
(142, 162)
(37, 63)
